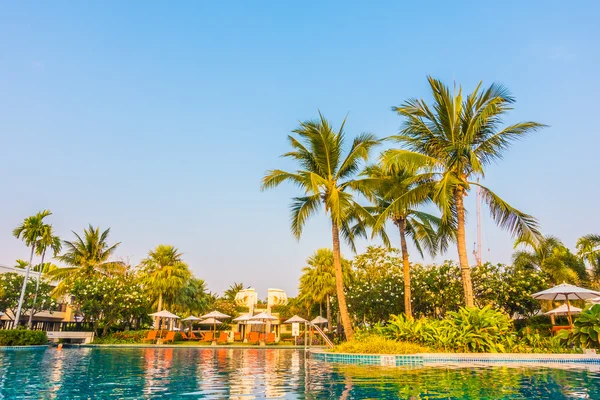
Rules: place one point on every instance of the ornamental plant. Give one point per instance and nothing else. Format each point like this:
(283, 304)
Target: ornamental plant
(586, 329)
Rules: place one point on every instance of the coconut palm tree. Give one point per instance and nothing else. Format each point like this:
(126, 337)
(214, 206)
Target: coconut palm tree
(233, 290)
(327, 177)
(588, 249)
(46, 240)
(164, 274)
(317, 282)
(30, 232)
(455, 139)
(87, 256)
(421, 227)
(551, 256)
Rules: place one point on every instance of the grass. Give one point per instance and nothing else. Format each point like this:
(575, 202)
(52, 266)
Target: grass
(374, 344)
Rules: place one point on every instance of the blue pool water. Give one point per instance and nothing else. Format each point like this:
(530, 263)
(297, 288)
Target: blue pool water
(267, 373)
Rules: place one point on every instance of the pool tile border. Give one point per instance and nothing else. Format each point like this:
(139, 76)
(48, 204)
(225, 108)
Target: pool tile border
(20, 348)
(442, 358)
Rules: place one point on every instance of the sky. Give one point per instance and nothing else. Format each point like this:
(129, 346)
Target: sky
(159, 119)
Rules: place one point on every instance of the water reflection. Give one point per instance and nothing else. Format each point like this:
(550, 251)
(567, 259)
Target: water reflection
(267, 373)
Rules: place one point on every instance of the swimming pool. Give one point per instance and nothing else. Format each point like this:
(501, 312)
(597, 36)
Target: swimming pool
(104, 373)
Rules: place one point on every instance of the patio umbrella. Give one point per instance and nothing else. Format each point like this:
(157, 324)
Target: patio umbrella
(263, 317)
(566, 292)
(242, 318)
(211, 321)
(164, 314)
(319, 320)
(297, 319)
(191, 319)
(563, 310)
(216, 314)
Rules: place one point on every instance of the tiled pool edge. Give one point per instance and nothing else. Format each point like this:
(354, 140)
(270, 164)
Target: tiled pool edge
(447, 358)
(19, 348)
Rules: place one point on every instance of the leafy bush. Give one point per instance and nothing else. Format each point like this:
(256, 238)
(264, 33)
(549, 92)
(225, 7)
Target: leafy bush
(586, 329)
(375, 344)
(124, 337)
(470, 330)
(21, 337)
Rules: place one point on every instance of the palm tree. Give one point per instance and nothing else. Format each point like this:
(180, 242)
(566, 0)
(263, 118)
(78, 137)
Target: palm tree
(422, 228)
(46, 240)
(87, 256)
(456, 139)
(317, 283)
(30, 232)
(164, 274)
(551, 256)
(233, 290)
(327, 177)
(588, 249)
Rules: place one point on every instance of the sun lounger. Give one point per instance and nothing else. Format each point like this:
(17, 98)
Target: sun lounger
(169, 338)
(237, 336)
(270, 339)
(253, 338)
(192, 336)
(207, 337)
(261, 337)
(223, 337)
(151, 336)
(184, 336)
(558, 328)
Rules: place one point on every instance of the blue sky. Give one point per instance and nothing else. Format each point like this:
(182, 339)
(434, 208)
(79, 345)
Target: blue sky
(159, 119)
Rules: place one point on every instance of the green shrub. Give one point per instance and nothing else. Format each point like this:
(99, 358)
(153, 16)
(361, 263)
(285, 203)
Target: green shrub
(375, 344)
(21, 337)
(586, 329)
(123, 337)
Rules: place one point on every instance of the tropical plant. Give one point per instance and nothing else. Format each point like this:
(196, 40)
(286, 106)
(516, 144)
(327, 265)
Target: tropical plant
(454, 140)
(421, 227)
(552, 257)
(586, 329)
(10, 288)
(233, 290)
(588, 249)
(47, 240)
(317, 282)
(87, 256)
(29, 231)
(192, 299)
(163, 274)
(327, 178)
(22, 338)
(376, 344)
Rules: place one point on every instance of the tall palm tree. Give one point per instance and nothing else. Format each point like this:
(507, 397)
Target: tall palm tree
(46, 240)
(233, 290)
(164, 274)
(317, 282)
(327, 178)
(30, 232)
(422, 228)
(588, 249)
(551, 256)
(87, 256)
(456, 139)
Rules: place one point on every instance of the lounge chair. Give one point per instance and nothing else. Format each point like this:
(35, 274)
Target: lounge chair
(184, 336)
(261, 337)
(207, 337)
(223, 337)
(270, 339)
(558, 328)
(253, 337)
(237, 336)
(192, 336)
(169, 338)
(151, 336)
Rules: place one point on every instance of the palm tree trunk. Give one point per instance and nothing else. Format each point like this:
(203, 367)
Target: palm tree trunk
(320, 308)
(329, 325)
(462, 247)
(37, 288)
(339, 282)
(26, 278)
(406, 265)
(159, 308)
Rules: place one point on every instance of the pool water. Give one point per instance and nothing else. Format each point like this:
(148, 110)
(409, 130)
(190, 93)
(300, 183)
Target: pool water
(189, 373)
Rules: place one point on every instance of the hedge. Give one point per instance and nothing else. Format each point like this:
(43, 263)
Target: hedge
(21, 337)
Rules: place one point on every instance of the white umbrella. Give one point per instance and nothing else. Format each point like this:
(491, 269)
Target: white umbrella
(191, 318)
(215, 314)
(319, 320)
(595, 300)
(211, 321)
(164, 314)
(566, 292)
(563, 310)
(295, 318)
(255, 322)
(263, 316)
(242, 318)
